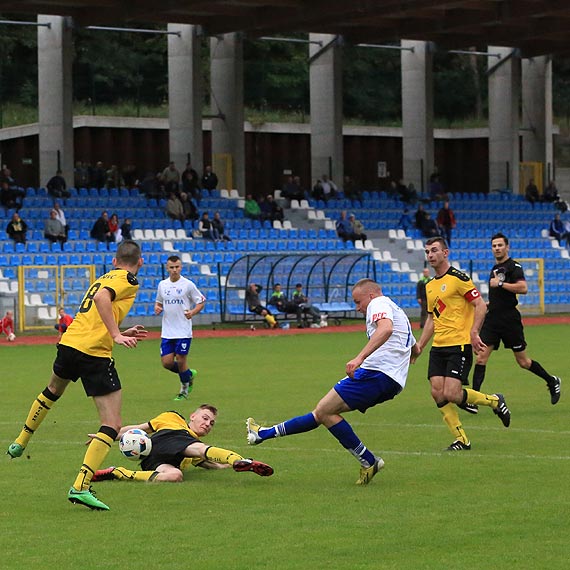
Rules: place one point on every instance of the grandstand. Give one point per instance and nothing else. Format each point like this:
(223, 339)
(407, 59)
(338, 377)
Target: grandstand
(304, 248)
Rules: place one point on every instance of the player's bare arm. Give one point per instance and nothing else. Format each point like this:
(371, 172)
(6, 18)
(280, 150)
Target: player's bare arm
(381, 335)
(478, 318)
(104, 303)
(519, 288)
(427, 333)
(136, 331)
(193, 312)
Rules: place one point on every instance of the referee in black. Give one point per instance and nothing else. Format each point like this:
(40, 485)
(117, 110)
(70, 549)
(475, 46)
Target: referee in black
(503, 321)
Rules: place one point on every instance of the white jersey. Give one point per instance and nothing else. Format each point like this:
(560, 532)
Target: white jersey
(175, 298)
(393, 357)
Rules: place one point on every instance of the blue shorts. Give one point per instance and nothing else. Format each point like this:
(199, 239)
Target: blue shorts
(366, 389)
(175, 345)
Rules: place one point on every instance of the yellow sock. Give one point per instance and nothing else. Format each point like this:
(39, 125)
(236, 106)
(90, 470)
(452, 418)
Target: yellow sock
(41, 406)
(219, 455)
(451, 418)
(271, 320)
(95, 455)
(480, 399)
(122, 473)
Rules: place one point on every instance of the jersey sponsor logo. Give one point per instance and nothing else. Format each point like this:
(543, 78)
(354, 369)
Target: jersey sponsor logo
(378, 316)
(439, 307)
(174, 301)
(472, 295)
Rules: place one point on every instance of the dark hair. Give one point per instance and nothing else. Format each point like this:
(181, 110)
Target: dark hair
(437, 239)
(299, 285)
(500, 235)
(129, 252)
(209, 407)
(173, 259)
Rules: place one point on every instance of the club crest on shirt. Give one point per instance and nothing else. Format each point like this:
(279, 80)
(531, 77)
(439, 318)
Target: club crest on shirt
(443, 287)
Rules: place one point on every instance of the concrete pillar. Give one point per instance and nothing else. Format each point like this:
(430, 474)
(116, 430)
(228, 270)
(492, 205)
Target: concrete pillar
(226, 82)
(504, 96)
(417, 113)
(325, 74)
(185, 96)
(55, 97)
(537, 113)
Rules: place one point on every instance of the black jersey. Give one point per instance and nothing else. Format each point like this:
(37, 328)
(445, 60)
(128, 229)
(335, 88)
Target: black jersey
(509, 271)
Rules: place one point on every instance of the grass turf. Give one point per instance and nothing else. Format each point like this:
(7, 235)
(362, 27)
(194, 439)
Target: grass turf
(504, 503)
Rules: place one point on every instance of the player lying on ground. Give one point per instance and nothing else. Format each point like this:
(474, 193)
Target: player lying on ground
(176, 445)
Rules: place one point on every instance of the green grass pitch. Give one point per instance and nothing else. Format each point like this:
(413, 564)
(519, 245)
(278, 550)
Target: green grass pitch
(503, 504)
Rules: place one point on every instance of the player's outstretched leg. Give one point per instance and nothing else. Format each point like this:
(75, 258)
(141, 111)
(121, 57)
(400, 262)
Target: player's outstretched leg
(86, 498)
(257, 467)
(554, 389)
(300, 424)
(366, 473)
(502, 410)
(253, 437)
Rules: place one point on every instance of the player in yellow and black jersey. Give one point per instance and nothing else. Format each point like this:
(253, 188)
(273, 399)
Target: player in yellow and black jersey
(85, 351)
(455, 314)
(176, 446)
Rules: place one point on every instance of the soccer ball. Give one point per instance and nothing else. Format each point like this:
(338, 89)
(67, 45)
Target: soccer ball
(11, 337)
(135, 444)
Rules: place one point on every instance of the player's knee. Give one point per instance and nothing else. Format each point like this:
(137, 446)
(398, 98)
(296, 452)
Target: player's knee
(319, 415)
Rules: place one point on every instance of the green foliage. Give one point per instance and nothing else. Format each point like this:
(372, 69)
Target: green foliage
(505, 501)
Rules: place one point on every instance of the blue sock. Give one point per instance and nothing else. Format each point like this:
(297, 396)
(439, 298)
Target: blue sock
(185, 377)
(349, 440)
(174, 367)
(300, 424)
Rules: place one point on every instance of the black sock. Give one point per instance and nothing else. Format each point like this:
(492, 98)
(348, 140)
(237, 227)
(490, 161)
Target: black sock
(537, 369)
(478, 376)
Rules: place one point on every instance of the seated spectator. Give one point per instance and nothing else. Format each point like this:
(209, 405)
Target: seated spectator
(130, 176)
(356, 229)
(302, 301)
(170, 177)
(274, 209)
(188, 207)
(191, 184)
(429, 227)
(56, 186)
(64, 321)
(251, 208)
(446, 222)
(209, 180)
(205, 227)
(405, 221)
(7, 196)
(254, 304)
(219, 228)
(174, 208)
(60, 215)
(100, 230)
(292, 189)
(350, 189)
(551, 192)
(115, 229)
(126, 228)
(531, 192)
(558, 231)
(325, 189)
(149, 185)
(114, 178)
(17, 228)
(343, 229)
(11, 195)
(419, 217)
(279, 300)
(53, 230)
(407, 194)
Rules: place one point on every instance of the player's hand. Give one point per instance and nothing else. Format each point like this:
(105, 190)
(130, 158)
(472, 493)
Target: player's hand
(138, 331)
(126, 341)
(351, 366)
(157, 309)
(416, 351)
(188, 314)
(477, 344)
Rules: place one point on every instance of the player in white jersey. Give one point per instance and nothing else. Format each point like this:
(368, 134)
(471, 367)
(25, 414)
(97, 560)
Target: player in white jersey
(178, 299)
(376, 374)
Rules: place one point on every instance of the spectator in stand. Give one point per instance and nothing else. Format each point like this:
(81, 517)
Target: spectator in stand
(531, 193)
(7, 198)
(98, 176)
(149, 185)
(17, 228)
(170, 177)
(218, 226)
(292, 189)
(114, 178)
(356, 229)
(325, 189)
(188, 207)
(558, 231)
(343, 229)
(350, 189)
(7, 325)
(551, 192)
(130, 176)
(435, 188)
(56, 186)
(126, 228)
(53, 230)
(206, 229)
(191, 183)
(405, 222)
(60, 215)
(64, 321)
(429, 227)
(274, 209)
(80, 175)
(279, 300)
(174, 208)
(209, 180)
(10, 190)
(251, 208)
(254, 304)
(115, 229)
(100, 230)
(302, 301)
(419, 217)
(446, 222)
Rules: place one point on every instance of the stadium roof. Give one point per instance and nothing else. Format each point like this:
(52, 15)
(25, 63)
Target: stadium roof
(536, 27)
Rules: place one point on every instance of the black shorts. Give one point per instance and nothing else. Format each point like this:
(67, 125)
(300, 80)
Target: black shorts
(98, 374)
(507, 327)
(451, 362)
(168, 446)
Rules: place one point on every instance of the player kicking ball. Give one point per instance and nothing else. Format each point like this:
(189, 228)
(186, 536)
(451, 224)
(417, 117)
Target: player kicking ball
(176, 445)
(376, 374)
